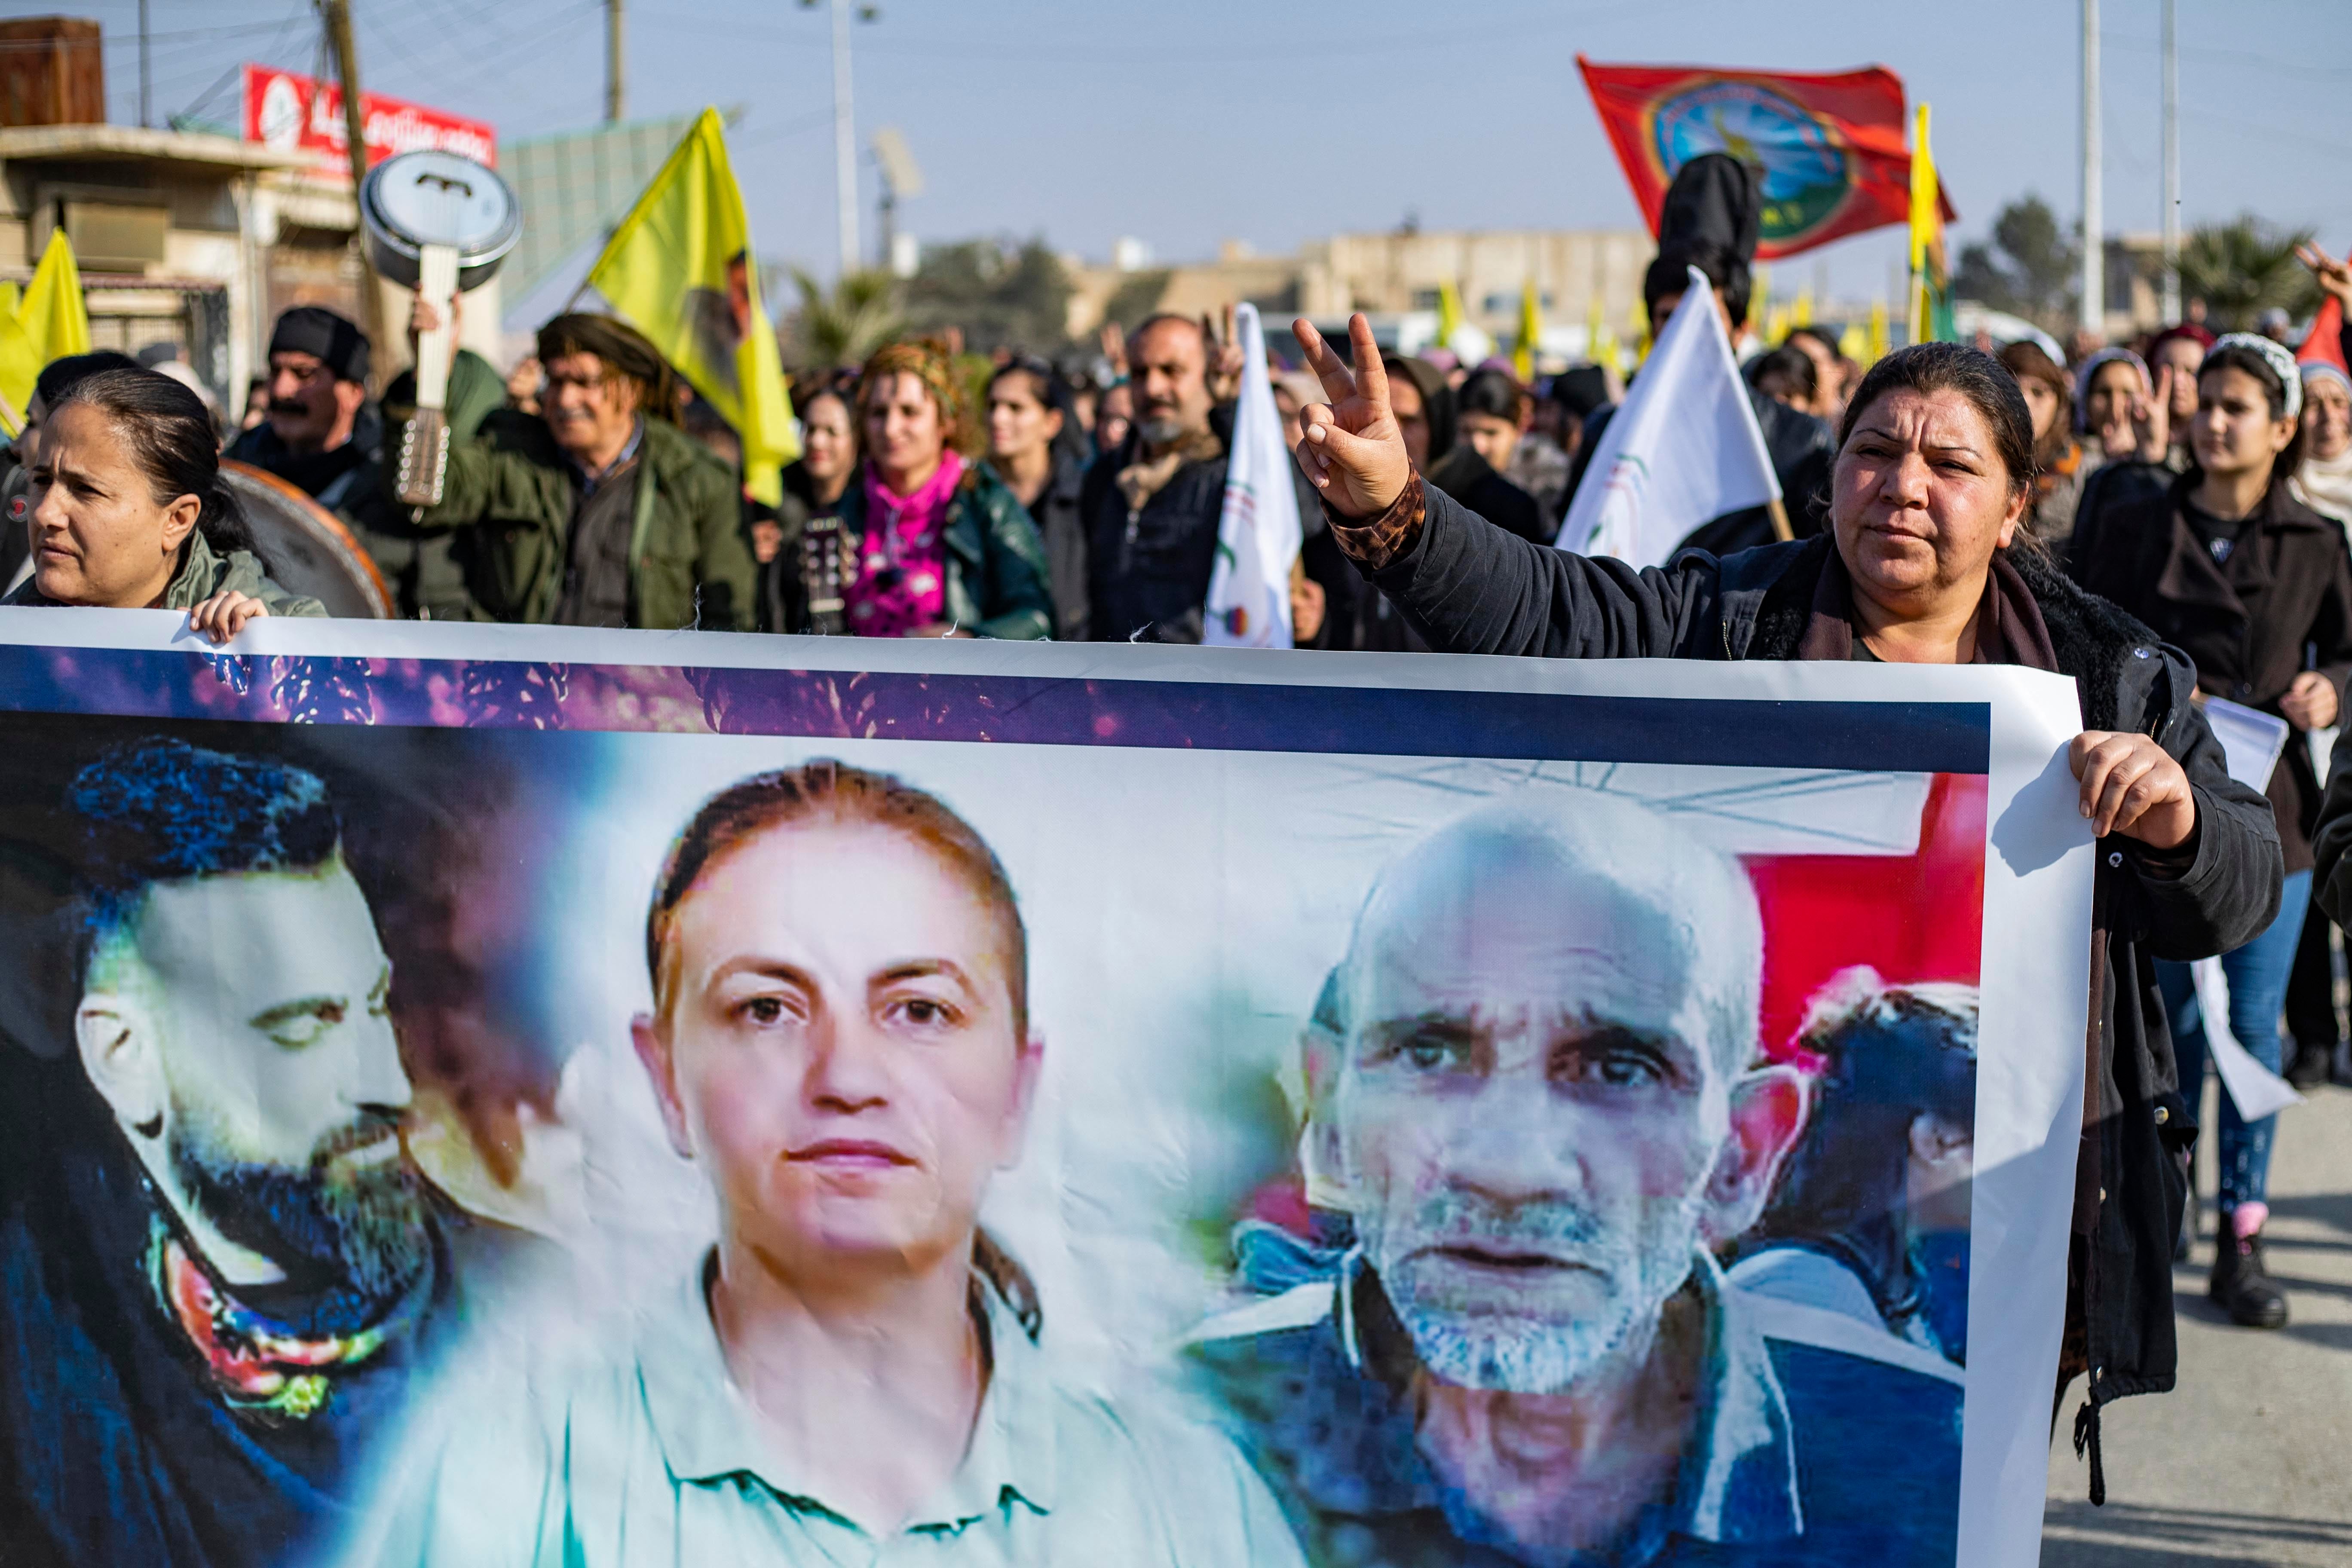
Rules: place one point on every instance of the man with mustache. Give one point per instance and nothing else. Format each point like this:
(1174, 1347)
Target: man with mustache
(1535, 1092)
(222, 1272)
(1151, 504)
(322, 434)
(597, 510)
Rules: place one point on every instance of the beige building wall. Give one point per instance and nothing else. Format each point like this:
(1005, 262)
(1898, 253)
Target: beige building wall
(1387, 274)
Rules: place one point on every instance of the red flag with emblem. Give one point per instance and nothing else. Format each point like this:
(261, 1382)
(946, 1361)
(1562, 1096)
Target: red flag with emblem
(1832, 147)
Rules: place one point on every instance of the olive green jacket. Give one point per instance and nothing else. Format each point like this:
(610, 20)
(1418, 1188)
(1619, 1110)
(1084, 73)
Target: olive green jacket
(204, 572)
(511, 489)
(421, 568)
(996, 571)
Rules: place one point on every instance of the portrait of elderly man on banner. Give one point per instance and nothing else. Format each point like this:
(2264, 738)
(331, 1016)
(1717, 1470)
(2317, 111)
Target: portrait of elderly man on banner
(1538, 1097)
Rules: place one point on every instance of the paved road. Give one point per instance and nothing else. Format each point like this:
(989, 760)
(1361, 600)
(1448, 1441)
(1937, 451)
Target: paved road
(2250, 1460)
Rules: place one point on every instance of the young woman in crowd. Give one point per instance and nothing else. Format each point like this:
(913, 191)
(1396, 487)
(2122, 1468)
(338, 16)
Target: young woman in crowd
(941, 548)
(2324, 482)
(2256, 588)
(128, 511)
(1491, 415)
(1029, 423)
(1787, 376)
(792, 549)
(1429, 410)
(2060, 463)
(2177, 350)
(1933, 472)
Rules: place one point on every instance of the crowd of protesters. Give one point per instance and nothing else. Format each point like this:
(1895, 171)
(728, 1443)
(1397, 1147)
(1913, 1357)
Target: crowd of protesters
(2165, 520)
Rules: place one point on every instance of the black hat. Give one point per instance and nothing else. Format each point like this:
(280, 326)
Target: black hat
(314, 329)
(1715, 205)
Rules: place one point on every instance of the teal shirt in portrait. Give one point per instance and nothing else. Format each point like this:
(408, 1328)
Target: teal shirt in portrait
(642, 1453)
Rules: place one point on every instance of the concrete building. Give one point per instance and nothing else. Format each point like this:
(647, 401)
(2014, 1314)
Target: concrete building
(161, 224)
(1395, 278)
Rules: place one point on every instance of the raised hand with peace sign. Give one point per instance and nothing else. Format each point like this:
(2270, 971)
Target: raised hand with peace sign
(1350, 446)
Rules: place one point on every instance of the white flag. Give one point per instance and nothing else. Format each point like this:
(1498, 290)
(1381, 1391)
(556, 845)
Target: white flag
(1258, 534)
(1683, 449)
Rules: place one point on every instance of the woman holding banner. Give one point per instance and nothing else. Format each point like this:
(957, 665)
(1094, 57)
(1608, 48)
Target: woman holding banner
(129, 512)
(1932, 474)
(2233, 568)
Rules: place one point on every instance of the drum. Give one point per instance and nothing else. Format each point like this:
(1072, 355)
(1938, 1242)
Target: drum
(308, 549)
(431, 197)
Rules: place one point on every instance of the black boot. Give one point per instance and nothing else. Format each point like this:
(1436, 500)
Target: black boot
(2311, 1066)
(2241, 1286)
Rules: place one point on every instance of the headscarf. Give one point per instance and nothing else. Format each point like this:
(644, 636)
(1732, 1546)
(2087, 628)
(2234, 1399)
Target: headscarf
(927, 360)
(2091, 368)
(2326, 483)
(2274, 355)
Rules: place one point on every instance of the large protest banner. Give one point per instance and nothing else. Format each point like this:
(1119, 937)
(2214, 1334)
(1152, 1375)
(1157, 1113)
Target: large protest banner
(443, 1065)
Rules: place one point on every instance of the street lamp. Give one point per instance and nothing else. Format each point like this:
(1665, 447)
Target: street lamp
(844, 127)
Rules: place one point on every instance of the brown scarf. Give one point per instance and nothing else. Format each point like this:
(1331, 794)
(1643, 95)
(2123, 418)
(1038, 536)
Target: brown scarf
(1147, 477)
(2009, 629)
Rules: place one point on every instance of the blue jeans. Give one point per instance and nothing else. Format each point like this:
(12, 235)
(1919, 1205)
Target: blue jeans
(2257, 974)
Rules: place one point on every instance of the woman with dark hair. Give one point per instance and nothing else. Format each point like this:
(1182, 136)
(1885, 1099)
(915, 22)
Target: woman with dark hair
(128, 511)
(2059, 461)
(1029, 423)
(1787, 376)
(1430, 413)
(2256, 588)
(1933, 471)
(1871, 1216)
(941, 548)
(798, 551)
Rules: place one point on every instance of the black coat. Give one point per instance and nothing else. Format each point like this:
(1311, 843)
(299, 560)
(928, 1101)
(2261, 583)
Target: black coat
(1148, 570)
(1469, 587)
(2280, 604)
(1059, 512)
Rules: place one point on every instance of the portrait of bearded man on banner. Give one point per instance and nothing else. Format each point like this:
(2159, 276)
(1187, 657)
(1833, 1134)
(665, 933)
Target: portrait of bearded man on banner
(222, 1269)
(1535, 1087)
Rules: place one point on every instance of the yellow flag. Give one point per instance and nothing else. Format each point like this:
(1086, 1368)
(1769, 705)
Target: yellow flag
(681, 270)
(1523, 351)
(47, 321)
(1929, 309)
(1875, 344)
(1449, 314)
(52, 312)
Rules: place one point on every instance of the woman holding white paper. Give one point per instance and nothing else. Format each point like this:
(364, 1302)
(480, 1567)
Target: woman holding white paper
(2233, 568)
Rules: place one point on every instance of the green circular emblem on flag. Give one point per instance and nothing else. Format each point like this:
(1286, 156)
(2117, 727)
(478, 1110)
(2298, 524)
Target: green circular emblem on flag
(1806, 176)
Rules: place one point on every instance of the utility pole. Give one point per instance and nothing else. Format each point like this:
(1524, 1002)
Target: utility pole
(613, 61)
(2094, 247)
(845, 140)
(2171, 171)
(146, 81)
(337, 16)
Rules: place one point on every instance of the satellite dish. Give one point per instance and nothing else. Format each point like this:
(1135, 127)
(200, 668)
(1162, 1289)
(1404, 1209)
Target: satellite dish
(309, 550)
(898, 170)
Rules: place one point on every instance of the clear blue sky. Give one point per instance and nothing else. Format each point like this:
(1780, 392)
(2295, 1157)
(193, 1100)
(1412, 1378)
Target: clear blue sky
(1277, 120)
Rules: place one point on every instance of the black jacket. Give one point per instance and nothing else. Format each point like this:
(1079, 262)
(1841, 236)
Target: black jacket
(1469, 587)
(1059, 512)
(1148, 570)
(2281, 603)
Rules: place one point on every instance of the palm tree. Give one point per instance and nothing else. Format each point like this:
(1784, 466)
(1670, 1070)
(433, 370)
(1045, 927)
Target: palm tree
(843, 325)
(2243, 268)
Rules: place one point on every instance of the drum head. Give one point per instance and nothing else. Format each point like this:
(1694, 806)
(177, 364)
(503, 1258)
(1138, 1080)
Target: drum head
(307, 548)
(431, 197)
